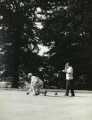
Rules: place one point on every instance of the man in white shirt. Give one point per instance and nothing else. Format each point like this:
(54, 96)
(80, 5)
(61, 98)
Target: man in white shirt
(36, 84)
(69, 79)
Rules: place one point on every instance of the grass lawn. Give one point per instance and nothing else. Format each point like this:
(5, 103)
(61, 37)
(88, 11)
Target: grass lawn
(16, 105)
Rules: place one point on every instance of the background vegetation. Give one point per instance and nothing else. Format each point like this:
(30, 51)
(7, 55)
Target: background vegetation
(39, 36)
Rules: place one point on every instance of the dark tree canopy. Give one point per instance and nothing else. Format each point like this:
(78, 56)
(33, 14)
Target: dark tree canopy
(41, 35)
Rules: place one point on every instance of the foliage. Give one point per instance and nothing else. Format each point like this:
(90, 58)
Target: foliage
(61, 27)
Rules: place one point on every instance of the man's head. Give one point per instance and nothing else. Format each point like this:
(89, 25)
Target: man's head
(29, 75)
(67, 64)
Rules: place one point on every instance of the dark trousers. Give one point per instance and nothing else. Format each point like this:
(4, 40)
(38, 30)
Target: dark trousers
(70, 86)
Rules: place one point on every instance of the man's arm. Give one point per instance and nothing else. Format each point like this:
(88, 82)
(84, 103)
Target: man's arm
(64, 70)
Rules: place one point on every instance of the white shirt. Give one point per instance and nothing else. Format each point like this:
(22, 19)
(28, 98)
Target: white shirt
(69, 73)
(34, 80)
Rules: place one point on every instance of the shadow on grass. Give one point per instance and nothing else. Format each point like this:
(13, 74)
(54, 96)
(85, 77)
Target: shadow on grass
(63, 96)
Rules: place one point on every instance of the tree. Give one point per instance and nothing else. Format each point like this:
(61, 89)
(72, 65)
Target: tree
(60, 27)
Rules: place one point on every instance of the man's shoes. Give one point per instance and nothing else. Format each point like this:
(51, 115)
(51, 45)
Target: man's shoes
(27, 93)
(72, 95)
